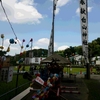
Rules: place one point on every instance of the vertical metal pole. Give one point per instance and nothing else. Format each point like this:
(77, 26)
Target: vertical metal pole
(31, 56)
(17, 80)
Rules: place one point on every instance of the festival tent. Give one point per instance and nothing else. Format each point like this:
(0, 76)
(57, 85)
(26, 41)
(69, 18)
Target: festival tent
(57, 58)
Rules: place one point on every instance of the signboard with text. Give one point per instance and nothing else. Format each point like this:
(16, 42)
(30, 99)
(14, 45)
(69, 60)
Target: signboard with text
(6, 74)
(84, 28)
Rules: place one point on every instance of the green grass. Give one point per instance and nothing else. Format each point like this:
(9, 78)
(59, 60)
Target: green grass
(5, 87)
(76, 70)
(26, 68)
(94, 89)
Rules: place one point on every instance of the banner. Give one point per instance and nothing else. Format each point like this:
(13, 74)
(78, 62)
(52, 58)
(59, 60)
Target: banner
(84, 28)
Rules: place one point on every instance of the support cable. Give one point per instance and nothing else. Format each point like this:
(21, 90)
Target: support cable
(9, 22)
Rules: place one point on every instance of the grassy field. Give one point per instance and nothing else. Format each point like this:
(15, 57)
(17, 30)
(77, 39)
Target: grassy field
(76, 70)
(94, 89)
(26, 68)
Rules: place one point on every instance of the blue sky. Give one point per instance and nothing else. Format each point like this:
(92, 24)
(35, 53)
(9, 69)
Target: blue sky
(33, 19)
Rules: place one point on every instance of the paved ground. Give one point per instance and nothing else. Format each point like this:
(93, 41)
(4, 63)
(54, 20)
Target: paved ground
(97, 77)
(92, 76)
(79, 83)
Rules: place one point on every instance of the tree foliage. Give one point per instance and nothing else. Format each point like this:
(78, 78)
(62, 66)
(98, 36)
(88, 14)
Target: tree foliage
(94, 50)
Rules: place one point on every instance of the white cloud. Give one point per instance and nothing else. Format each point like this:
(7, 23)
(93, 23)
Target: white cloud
(57, 11)
(78, 10)
(89, 9)
(43, 41)
(14, 48)
(60, 3)
(23, 11)
(36, 47)
(62, 47)
(30, 2)
(6, 42)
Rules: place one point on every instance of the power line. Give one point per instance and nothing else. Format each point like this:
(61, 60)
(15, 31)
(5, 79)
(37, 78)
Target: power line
(9, 22)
